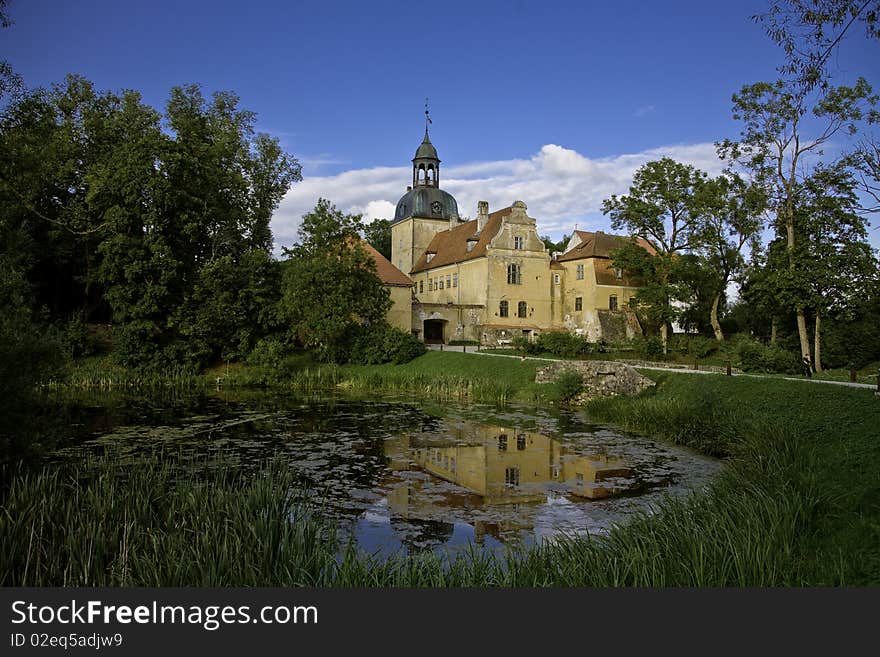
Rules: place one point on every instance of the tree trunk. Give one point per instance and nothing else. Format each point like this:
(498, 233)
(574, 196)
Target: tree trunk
(713, 318)
(802, 332)
(817, 346)
(801, 318)
(774, 329)
(664, 336)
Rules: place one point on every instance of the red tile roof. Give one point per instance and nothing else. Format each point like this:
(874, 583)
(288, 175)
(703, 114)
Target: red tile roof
(599, 245)
(389, 274)
(450, 246)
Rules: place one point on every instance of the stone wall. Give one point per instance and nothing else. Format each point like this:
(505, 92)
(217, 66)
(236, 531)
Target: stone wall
(602, 378)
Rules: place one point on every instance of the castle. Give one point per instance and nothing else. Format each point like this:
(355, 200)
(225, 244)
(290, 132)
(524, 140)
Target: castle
(491, 279)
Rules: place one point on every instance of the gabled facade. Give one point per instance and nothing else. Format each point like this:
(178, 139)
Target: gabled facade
(491, 279)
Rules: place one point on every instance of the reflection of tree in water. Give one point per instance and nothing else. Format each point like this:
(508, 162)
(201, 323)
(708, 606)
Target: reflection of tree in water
(418, 535)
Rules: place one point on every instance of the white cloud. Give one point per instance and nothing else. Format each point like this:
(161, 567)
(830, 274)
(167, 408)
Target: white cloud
(643, 110)
(560, 186)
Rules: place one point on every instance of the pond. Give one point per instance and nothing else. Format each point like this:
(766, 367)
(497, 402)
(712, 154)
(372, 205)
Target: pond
(404, 476)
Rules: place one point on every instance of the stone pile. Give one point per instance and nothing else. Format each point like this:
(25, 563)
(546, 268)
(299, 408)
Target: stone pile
(602, 378)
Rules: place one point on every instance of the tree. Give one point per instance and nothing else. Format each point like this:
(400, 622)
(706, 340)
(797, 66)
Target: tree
(330, 286)
(378, 233)
(734, 219)
(110, 216)
(555, 247)
(778, 154)
(810, 31)
(834, 248)
(666, 207)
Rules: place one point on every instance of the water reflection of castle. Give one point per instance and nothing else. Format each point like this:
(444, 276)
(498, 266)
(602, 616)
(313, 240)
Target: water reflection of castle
(502, 466)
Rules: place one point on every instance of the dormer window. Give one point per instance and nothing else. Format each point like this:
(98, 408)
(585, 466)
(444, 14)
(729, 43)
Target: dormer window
(429, 256)
(470, 245)
(618, 272)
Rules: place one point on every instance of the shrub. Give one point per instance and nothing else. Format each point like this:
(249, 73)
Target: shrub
(77, 341)
(696, 346)
(525, 346)
(466, 343)
(382, 343)
(756, 357)
(569, 384)
(268, 352)
(564, 344)
(653, 347)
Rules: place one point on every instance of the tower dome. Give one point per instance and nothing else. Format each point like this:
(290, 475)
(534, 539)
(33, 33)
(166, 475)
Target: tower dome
(425, 198)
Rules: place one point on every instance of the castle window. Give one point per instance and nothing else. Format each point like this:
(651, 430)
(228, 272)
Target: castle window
(556, 279)
(618, 272)
(514, 275)
(448, 281)
(521, 442)
(511, 477)
(521, 309)
(578, 303)
(441, 282)
(502, 309)
(455, 280)
(421, 286)
(612, 302)
(502, 442)
(518, 242)
(580, 272)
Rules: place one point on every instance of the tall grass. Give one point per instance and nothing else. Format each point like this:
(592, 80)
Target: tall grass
(445, 377)
(159, 522)
(100, 374)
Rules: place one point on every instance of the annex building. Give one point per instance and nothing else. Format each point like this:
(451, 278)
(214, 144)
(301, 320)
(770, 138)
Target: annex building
(491, 278)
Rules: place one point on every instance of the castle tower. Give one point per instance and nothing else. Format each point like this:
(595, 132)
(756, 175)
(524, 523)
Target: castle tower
(423, 211)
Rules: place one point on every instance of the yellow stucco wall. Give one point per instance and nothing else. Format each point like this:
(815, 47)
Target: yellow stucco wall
(410, 238)
(594, 297)
(400, 315)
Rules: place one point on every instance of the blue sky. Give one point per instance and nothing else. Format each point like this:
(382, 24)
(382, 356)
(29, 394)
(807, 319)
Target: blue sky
(553, 103)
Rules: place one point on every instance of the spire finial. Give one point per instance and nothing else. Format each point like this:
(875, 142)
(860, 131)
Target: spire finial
(427, 116)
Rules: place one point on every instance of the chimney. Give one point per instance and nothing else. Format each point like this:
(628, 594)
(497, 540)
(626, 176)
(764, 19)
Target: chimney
(482, 214)
(453, 221)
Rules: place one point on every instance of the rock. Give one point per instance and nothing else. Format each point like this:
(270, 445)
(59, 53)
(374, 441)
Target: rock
(602, 378)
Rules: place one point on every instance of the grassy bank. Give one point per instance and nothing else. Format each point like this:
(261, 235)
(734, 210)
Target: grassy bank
(797, 505)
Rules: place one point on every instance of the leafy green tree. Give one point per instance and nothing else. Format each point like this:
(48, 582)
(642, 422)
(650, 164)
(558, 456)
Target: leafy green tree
(779, 147)
(234, 305)
(330, 287)
(62, 171)
(378, 233)
(833, 248)
(666, 207)
(810, 31)
(108, 213)
(734, 219)
(555, 247)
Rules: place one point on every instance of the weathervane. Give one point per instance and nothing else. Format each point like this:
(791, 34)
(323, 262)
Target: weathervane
(427, 116)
